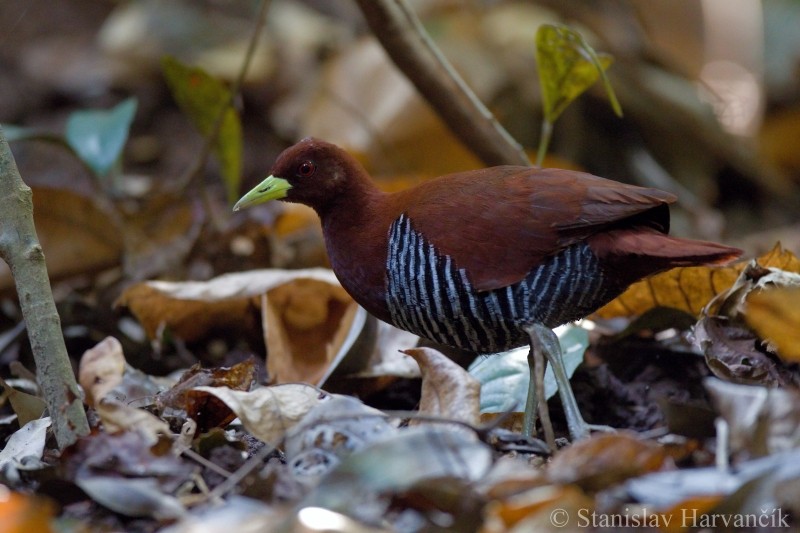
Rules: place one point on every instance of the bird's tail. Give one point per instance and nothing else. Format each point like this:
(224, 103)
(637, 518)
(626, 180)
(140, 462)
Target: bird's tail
(643, 252)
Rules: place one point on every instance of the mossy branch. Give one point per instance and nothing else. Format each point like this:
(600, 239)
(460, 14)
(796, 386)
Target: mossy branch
(20, 248)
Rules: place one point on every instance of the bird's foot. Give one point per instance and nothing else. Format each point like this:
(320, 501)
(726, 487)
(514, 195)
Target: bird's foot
(583, 430)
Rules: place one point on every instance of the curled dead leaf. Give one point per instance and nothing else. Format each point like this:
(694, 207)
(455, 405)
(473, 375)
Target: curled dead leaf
(306, 322)
(101, 369)
(448, 391)
(269, 412)
(195, 308)
(117, 417)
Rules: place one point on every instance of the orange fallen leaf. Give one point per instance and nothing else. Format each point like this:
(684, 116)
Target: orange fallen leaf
(775, 316)
(689, 288)
(20, 513)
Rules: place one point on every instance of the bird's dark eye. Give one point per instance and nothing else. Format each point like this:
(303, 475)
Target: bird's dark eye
(306, 169)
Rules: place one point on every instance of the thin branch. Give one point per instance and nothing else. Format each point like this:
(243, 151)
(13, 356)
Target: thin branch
(20, 248)
(404, 38)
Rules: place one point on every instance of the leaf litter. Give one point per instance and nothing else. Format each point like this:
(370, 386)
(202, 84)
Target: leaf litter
(234, 445)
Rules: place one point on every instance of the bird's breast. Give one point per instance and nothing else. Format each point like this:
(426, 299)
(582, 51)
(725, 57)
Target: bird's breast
(428, 294)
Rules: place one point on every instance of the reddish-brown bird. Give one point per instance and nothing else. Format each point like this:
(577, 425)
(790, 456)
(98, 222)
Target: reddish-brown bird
(486, 260)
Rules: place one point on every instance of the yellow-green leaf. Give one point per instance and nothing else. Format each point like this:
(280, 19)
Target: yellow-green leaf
(567, 67)
(203, 99)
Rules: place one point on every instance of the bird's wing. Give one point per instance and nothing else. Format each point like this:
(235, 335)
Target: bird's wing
(499, 223)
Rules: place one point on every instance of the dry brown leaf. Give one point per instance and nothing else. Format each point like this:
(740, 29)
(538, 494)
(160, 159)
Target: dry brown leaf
(689, 288)
(76, 234)
(101, 369)
(448, 391)
(117, 416)
(605, 460)
(305, 324)
(205, 409)
(192, 309)
(509, 476)
(26, 406)
(269, 412)
(775, 316)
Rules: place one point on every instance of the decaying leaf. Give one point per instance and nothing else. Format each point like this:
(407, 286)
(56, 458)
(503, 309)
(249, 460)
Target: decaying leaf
(754, 488)
(761, 420)
(448, 391)
(235, 513)
(386, 359)
(206, 409)
(269, 412)
(605, 460)
(118, 416)
(193, 309)
(305, 322)
(330, 432)
(689, 289)
(775, 316)
(26, 406)
(393, 465)
(734, 353)
(27, 441)
(132, 497)
(77, 234)
(101, 369)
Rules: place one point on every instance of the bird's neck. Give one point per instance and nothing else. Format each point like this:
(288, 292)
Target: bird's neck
(356, 236)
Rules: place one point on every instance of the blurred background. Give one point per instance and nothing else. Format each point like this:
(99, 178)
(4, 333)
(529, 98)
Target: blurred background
(710, 91)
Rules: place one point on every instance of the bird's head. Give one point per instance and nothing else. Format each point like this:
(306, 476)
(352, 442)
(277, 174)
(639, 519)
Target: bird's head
(312, 172)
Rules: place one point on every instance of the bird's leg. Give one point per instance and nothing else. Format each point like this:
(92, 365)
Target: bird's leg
(536, 368)
(545, 341)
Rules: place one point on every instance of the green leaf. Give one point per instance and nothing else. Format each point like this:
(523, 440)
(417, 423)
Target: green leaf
(98, 136)
(504, 377)
(567, 67)
(204, 99)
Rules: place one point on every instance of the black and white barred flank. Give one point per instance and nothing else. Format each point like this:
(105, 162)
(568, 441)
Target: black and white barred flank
(429, 296)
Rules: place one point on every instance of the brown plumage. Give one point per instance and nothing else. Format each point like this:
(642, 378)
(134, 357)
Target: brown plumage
(467, 258)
